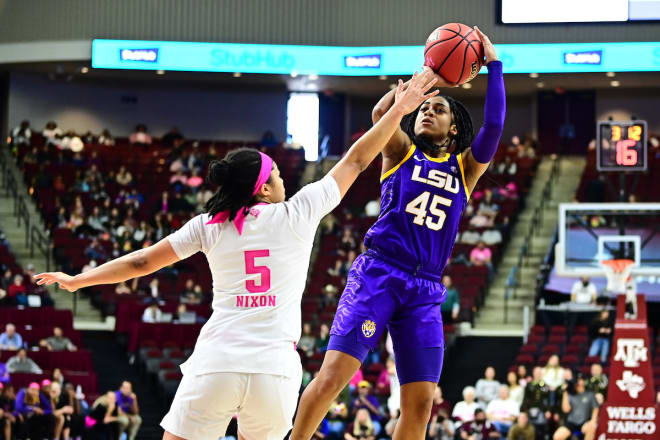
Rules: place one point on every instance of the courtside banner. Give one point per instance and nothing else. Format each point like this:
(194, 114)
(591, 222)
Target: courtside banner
(630, 411)
(362, 61)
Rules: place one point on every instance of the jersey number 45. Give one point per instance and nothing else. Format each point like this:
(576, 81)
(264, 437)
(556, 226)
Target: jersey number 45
(418, 207)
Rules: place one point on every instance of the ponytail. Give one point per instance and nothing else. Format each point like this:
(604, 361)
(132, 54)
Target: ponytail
(235, 175)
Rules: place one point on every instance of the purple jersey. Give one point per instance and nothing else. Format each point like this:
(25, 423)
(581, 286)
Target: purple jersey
(422, 199)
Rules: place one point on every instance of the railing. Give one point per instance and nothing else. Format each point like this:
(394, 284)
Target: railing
(33, 235)
(524, 253)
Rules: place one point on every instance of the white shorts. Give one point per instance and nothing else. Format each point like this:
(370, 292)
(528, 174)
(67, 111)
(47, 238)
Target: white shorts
(204, 405)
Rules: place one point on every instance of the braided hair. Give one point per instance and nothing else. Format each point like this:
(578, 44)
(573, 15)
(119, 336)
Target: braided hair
(458, 143)
(236, 174)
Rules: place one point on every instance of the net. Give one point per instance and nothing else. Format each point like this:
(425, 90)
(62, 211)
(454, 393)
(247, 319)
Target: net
(618, 274)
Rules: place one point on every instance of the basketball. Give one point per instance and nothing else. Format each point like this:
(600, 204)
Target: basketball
(454, 52)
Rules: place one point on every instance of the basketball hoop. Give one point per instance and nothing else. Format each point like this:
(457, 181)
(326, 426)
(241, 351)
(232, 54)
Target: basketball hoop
(618, 274)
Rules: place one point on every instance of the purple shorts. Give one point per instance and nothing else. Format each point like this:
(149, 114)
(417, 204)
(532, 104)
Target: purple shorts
(381, 293)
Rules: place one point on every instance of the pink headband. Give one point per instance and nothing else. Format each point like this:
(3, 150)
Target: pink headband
(34, 385)
(239, 220)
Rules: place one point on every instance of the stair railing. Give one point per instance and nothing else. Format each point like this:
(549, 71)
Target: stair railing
(513, 280)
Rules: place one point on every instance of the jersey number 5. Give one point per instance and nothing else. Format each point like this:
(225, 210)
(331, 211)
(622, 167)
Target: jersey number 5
(251, 268)
(418, 207)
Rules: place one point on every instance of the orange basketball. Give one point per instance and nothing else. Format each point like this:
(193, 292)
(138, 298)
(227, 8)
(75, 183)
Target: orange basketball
(454, 51)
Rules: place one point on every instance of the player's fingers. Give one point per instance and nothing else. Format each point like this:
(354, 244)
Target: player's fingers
(430, 95)
(429, 84)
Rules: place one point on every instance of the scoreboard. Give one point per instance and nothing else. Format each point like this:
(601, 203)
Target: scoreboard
(621, 146)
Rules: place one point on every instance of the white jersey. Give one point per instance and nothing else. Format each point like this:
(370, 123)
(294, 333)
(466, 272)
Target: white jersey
(258, 281)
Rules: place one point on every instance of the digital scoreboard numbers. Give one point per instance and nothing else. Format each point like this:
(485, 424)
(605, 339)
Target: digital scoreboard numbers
(621, 146)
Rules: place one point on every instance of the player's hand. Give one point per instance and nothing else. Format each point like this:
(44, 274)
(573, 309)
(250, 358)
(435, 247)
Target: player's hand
(441, 82)
(65, 281)
(409, 98)
(489, 49)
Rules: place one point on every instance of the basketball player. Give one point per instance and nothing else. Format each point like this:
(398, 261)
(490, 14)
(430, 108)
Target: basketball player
(430, 166)
(258, 249)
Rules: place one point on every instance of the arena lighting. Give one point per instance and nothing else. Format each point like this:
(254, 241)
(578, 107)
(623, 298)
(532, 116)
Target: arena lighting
(236, 74)
(313, 77)
(533, 75)
(540, 85)
(610, 74)
(382, 77)
(160, 72)
(363, 61)
(467, 86)
(84, 70)
(615, 83)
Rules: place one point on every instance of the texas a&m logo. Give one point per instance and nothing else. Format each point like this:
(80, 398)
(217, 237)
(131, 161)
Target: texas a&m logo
(631, 352)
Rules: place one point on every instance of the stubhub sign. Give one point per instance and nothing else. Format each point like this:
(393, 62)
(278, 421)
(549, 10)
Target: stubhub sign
(587, 57)
(364, 60)
(147, 55)
(369, 61)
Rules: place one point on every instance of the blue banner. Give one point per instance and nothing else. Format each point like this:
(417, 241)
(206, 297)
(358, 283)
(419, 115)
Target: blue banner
(362, 61)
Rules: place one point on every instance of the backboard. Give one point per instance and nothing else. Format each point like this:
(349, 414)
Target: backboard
(592, 232)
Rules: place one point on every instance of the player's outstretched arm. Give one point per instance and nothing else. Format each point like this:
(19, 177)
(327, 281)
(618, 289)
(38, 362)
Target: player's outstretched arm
(364, 151)
(484, 147)
(136, 264)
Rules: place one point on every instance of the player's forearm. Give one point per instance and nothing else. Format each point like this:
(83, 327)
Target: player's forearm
(488, 138)
(383, 106)
(121, 269)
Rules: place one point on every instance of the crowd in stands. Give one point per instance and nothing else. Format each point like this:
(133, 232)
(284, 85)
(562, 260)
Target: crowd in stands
(103, 196)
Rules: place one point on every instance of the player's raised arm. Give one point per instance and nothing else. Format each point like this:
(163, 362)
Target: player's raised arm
(484, 147)
(362, 153)
(138, 263)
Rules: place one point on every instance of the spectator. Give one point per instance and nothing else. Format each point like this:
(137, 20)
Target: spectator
(152, 314)
(600, 332)
(61, 413)
(523, 377)
(123, 289)
(507, 167)
(487, 387)
(482, 256)
(350, 258)
(58, 342)
(188, 295)
(581, 409)
(464, 410)
(195, 180)
(372, 208)
(452, 305)
(129, 412)
(338, 413)
(4, 374)
(123, 176)
(17, 291)
(71, 141)
(10, 339)
(502, 412)
(35, 413)
(366, 400)
(4, 300)
(172, 137)
(7, 279)
(20, 363)
(324, 337)
(440, 426)
(52, 133)
(598, 383)
(584, 291)
(346, 242)
(536, 402)
(479, 428)
(595, 191)
(329, 298)
(140, 136)
(390, 427)
(522, 430)
(492, 236)
(21, 134)
(337, 269)
(516, 392)
(362, 428)
(74, 424)
(57, 376)
(553, 374)
(106, 138)
(268, 140)
(105, 416)
(488, 207)
(95, 251)
(7, 410)
(307, 343)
